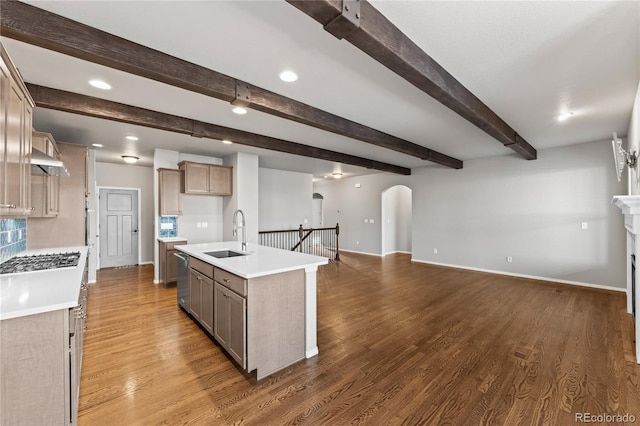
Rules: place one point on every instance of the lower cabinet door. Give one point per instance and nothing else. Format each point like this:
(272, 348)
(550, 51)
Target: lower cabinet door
(220, 314)
(237, 327)
(195, 302)
(206, 313)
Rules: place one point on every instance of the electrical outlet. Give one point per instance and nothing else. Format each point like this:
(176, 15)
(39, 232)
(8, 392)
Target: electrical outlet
(357, 243)
(198, 224)
(584, 225)
(205, 224)
(509, 259)
(371, 220)
(435, 251)
(366, 221)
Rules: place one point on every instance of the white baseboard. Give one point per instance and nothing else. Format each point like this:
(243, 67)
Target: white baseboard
(532, 277)
(156, 281)
(397, 252)
(149, 262)
(361, 252)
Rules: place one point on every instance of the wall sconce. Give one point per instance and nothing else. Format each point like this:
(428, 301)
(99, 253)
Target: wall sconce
(622, 157)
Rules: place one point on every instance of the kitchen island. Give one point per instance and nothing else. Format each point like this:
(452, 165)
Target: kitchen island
(258, 303)
(42, 315)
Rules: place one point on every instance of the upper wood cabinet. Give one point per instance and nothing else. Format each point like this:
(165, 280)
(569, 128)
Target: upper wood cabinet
(170, 197)
(45, 190)
(16, 107)
(206, 179)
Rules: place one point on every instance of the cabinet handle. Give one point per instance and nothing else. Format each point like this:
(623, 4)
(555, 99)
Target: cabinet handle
(8, 206)
(226, 280)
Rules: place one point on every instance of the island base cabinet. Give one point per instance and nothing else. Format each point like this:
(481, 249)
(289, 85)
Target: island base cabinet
(230, 322)
(195, 301)
(40, 366)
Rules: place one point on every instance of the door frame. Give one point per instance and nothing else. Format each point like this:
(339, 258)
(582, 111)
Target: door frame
(97, 242)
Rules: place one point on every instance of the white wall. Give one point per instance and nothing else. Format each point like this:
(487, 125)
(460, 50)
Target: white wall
(245, 196)
(130, 176)
(633, 143)
(285, 199)
(498, 207)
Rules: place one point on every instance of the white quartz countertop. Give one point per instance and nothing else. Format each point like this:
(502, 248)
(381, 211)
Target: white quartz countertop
(260, 261)
(171, 239)
(29, 293)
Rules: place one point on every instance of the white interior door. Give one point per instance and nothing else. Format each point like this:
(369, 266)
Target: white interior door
(118, 227)
(316, 218)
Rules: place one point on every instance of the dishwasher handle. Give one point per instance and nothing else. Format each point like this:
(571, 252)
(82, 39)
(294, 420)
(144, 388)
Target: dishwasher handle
(180, 256)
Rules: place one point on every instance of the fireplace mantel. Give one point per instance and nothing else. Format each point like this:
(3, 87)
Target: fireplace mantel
(630, 206)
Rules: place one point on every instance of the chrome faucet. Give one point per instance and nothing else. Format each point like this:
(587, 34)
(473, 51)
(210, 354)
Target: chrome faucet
(243, 226)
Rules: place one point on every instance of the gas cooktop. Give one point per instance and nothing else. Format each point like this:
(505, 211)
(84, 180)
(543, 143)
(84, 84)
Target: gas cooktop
(39, 262)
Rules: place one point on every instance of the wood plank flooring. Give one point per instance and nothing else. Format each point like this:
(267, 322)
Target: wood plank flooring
(401, 343)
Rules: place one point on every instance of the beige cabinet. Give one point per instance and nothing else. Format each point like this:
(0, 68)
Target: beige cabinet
(16, 107)
(170, 197)
(40, 366)
(206, 179)
(168, 268)
(230, 323)
(201, 293)
(45, 189)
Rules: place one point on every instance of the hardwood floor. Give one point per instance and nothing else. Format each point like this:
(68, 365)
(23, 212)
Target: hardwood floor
(400, 343)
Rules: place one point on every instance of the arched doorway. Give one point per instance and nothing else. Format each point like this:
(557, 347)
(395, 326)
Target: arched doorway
(317, 214)
(396, 220)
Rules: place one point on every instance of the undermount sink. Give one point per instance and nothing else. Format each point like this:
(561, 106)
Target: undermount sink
(221, 254)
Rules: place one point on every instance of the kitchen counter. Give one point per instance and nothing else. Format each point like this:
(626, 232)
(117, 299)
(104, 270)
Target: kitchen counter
(171, 239)
(29, 293)
(260, 261)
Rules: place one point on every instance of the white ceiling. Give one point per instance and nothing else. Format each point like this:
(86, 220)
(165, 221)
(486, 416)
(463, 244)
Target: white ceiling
(528, 61)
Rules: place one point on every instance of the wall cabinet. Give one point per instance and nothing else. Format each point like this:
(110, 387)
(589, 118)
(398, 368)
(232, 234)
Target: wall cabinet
(170, 197)
(168, 269)
(206, 179)
(16, 108)
(45, 190)
(201, 293)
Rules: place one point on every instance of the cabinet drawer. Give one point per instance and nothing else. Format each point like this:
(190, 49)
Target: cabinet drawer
(171, 245)
(232, 282)
(201, 267)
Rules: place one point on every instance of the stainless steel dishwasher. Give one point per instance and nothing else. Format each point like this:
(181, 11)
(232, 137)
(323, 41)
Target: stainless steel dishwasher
(183, 280)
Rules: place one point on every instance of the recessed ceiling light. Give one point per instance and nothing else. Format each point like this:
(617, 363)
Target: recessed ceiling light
(97, 145)
(100, 84)
(288, 76)
(227, 142)
(337, 175)
(564, 116)
(132, 138)
(130, 159)
(239, 110)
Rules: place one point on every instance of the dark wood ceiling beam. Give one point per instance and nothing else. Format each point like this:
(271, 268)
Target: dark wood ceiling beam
(36, 26)
(60, 100)
(384, 42)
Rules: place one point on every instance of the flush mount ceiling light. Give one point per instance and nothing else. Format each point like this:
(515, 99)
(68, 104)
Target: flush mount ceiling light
(131, 138)
(130, 159)
(97, 145)
(288, 76)
(564, 116)
(99, 84)
(239, 110)
(337, 175)
(227, 142)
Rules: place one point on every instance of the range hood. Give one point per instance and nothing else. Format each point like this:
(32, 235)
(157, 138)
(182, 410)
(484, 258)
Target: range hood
(42, 164)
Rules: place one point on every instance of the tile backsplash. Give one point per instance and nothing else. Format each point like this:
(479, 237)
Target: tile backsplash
(13, 237)
(168, 226)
